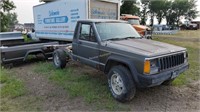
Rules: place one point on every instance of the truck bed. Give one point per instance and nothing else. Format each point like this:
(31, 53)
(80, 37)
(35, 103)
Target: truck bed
(19, 52)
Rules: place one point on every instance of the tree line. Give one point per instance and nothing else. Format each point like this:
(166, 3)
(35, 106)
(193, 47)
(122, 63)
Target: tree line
(171, 10)
(7, 18)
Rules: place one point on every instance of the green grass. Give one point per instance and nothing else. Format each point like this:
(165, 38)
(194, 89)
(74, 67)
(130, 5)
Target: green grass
(193, 74)
(11, 88)
(91, 86)
(26, 39)
(21, 104)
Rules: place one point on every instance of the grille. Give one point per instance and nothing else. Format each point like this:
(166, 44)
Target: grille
(171, 61)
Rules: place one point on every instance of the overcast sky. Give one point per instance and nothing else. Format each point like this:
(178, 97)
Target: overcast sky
(24, 10)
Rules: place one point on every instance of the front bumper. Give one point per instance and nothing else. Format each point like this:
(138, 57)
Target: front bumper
(157, 79)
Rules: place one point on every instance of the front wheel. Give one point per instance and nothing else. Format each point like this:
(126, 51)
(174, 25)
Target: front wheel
(59, 58)
(121, 84)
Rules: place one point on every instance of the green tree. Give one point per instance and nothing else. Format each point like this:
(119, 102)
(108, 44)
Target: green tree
(172, 10)
(12, 21)
(192, 12)
(144, 12)
(159, 8)
(181, 8)
(6, 17)
(129, 7)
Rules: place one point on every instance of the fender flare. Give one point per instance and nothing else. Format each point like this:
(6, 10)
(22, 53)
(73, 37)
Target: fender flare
(125, 61)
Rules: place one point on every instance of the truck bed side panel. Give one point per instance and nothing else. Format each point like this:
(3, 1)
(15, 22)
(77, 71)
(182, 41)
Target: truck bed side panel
(19, 52)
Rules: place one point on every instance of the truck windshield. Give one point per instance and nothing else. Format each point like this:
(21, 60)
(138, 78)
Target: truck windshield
(111, 31)
(134, 21)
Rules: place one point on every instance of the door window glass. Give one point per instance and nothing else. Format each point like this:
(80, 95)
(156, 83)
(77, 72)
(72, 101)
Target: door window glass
(87, 33)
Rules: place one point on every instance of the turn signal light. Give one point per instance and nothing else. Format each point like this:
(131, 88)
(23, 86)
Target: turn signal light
(147, 67)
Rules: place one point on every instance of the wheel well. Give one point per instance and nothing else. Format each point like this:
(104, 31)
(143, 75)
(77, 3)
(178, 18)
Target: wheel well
(112, 63)
(33, 53)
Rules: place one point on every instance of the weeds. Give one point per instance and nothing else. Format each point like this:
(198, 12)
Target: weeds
(92, 86)
(10, 89)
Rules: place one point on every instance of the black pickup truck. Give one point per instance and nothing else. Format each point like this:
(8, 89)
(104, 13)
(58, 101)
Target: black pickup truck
(129, 61)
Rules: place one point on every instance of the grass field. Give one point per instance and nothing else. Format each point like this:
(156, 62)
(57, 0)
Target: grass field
(10, 89)
(91, 85)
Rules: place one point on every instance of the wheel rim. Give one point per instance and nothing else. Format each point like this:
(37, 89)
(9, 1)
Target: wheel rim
(117, 84)
(56, 60)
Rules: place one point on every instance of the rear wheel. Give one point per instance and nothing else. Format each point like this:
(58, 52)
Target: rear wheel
(121, 84)
(59, 58)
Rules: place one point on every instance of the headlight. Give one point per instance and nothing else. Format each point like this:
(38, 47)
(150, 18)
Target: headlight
(151, 67)
(185, 57)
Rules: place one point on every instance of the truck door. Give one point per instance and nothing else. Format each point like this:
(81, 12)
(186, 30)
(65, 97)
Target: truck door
(88, 47)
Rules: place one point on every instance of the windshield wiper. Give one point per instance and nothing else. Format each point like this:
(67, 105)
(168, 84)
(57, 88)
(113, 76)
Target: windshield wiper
(114, 39)
(132, 37)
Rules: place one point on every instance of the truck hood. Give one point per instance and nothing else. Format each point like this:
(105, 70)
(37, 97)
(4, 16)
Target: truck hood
(144, 47)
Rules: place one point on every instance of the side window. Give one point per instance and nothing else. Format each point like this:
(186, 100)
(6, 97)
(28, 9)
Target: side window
(87, 33)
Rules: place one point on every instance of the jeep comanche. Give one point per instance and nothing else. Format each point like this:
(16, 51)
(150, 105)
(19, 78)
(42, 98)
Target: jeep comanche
(128, 60)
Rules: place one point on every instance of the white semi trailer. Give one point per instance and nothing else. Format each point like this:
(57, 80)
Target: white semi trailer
(57, 20)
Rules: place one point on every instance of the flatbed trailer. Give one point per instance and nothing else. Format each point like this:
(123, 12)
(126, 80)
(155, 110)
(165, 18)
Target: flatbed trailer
(19, 52)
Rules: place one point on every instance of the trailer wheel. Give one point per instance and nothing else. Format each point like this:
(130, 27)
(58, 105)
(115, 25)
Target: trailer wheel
(59, 58)
(121, 84)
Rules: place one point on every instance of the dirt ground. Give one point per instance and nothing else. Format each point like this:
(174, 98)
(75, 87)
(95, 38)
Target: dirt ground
(161, 98)
(51, 97)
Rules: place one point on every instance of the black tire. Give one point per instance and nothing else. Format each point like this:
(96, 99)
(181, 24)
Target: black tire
(59, 58)
(128, 90)
(168, 82)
